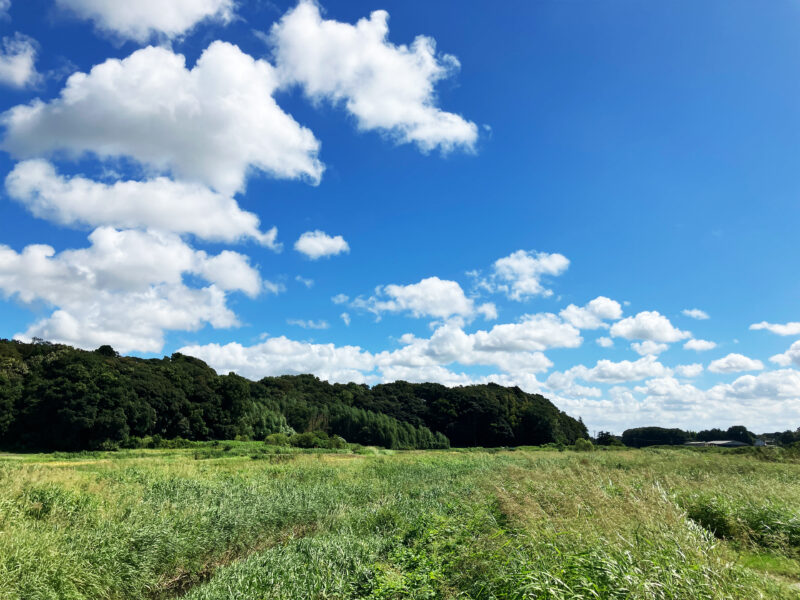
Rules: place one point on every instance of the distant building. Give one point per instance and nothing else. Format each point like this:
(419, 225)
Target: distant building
(764, 442)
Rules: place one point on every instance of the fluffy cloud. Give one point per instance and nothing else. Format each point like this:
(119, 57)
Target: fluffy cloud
(309, 324)
(648, 325)
(692, 370)
(431, 297)
(126, 289)
(762, 388)
(695, 313)
(282, 356)
(648, 347)
(211, 124)
(345, 317)
(158, 203)
(792, 355)
(386, 87)
(318, 244)
(784, 329)
(593, 314)
(734, 363)
(699, 345)
(519, 274)
(4, 6)
(606, 371)
(604, 342)
(18, 60)
(142, 19)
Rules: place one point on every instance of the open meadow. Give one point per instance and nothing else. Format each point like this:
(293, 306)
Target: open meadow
(243, 520)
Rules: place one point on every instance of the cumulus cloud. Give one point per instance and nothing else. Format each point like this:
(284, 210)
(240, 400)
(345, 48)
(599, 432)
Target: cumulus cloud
(695, 313)
(431, 297)
(18, 60)
(777, 328)
(142, 19)
(606, 371)
(126, 289)
(604, 342)
(282, 356)
(514, 349)
(211, 124)
(648, 325)
(340, 299)
(699, 345)
(318, 244)
(792, 355)
(158, 203)
(309, 283)
(593, 314)
(519, 274)
(734, 363)
(345, 317)
(308, 323)
(386, 87)
(692, 370)
(648, 347)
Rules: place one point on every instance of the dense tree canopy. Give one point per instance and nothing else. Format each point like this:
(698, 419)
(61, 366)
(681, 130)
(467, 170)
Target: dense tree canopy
(56, 397)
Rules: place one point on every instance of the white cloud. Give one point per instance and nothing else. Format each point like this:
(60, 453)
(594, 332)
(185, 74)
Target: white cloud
(140, 20)
(5, 5)
(779, 329)
(126, 289)
(531, 333)
(387, 87)
(308, 323)
(345, 317)
(792, 355)
(648, 325)
(213, 123)
(648, 347)
(158, 203)
(318, 244)
(604, 342)
(340, 299)
(606, 371)
(764, 389)
(431, 297)
(309, 283)
(699, 345)
(593, 314)
(18, 60)
(692, 370)
(695, 313)
(734, 363)
(519, 274)
(282, 356)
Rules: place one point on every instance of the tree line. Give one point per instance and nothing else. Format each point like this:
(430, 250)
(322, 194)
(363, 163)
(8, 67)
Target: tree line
(55, 397)
(640, 437)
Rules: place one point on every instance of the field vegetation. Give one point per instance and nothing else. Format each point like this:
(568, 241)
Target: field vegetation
(253, 520)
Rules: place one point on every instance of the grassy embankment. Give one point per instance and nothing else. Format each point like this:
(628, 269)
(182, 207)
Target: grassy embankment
(213, 523)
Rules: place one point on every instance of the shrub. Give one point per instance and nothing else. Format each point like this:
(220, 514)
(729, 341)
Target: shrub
(277, 439)
(582, 445)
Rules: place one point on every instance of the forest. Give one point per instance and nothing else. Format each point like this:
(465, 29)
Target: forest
(55, 397)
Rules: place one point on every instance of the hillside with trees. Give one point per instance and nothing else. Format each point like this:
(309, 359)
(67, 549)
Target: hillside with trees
(54, 397)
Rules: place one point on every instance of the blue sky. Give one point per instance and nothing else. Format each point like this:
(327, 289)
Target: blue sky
(538, 194)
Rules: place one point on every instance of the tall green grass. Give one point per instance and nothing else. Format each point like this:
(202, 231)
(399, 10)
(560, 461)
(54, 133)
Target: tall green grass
(524, 524)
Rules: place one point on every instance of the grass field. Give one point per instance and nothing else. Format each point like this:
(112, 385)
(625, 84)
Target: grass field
(237, 521)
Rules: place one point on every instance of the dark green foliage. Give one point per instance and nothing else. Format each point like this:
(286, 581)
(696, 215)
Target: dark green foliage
(737, 433)
(53, 397)
(606, 438)
(640, 437)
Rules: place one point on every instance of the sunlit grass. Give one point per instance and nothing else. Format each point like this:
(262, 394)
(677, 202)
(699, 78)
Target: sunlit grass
(214, 523)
